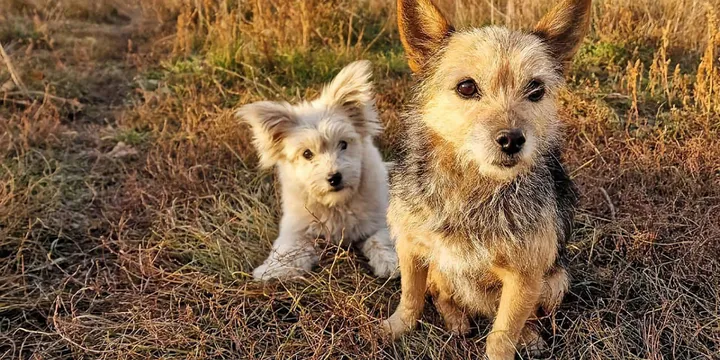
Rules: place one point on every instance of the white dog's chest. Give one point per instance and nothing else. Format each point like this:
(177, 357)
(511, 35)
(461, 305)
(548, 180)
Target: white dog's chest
(342, 225)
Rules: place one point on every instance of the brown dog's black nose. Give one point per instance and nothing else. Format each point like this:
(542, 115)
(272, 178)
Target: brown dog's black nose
(335, 179)
(510, 141)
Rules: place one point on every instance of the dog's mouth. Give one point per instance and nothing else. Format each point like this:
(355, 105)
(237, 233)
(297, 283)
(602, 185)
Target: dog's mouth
(507, 162)
(337, 188)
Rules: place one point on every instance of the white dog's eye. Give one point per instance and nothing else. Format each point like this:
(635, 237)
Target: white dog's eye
(343, 144)
(308, 154)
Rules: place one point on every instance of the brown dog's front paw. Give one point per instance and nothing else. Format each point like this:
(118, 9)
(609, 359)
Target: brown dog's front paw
(499, 347)
(532, 343)
(459, 325)
(395, 326)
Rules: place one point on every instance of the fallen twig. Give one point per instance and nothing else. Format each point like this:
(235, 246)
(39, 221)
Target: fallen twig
(13, 74)
(44, 95)
(609, 202)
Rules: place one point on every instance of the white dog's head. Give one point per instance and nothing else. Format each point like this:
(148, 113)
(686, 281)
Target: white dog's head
(320, 144)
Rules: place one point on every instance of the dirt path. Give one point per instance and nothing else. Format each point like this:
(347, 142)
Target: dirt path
(64, 167)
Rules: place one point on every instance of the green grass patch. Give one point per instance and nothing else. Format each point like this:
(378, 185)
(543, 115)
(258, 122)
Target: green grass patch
(131, 136)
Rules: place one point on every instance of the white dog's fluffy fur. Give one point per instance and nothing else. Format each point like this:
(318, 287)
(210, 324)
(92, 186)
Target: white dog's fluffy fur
(310, 142)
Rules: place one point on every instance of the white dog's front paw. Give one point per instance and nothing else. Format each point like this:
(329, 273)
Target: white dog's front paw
(385, 264)
(269, 271)
(381, 255)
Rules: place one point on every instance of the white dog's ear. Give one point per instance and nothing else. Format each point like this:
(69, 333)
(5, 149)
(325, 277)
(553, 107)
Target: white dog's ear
(270, 122)
(351, 90)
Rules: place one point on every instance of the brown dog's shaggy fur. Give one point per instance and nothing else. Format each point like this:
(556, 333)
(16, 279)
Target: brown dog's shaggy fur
(480, 204)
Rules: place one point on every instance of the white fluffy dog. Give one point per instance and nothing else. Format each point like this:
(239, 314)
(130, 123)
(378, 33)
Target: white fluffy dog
(334, 183)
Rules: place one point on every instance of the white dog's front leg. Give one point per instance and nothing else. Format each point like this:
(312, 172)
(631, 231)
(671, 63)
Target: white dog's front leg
(290, 257)
(381, 254)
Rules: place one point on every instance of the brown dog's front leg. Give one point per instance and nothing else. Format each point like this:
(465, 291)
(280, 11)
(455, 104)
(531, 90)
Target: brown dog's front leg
(519, 298)
(413, 279)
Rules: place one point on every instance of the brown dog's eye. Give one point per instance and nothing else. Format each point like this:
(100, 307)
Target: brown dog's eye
(343, 145)
(535, 91)
(467, 89)
(308, 154)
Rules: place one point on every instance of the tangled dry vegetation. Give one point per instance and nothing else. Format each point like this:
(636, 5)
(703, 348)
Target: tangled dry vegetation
(131, 210)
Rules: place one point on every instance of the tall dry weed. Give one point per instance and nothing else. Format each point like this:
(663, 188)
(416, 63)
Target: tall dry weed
(707, 87)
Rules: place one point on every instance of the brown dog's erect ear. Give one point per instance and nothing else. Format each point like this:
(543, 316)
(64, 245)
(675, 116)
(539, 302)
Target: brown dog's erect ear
(351, 90)
(564, 28)
(422, 30)
(270, 123)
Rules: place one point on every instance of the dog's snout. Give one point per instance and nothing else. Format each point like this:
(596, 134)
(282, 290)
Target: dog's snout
(510, 141)
(335, 179)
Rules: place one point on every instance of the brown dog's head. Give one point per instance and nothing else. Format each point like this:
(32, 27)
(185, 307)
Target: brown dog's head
(490, 92)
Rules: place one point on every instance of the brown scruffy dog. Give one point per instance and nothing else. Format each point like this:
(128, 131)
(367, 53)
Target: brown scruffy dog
(480, 204)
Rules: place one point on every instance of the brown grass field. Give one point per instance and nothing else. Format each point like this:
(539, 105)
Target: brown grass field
(132, 210)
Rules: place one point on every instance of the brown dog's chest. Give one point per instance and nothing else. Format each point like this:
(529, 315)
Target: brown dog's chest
(455, 259)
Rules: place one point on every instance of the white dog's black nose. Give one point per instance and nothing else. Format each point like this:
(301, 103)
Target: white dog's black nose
(335, 179)
(510, 141)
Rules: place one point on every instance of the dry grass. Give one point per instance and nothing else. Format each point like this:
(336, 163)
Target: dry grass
(131, 210)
